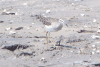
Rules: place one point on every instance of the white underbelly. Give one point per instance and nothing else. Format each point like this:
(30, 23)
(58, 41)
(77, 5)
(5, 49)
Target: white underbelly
(53, 28)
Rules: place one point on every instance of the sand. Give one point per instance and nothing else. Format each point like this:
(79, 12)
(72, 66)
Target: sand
(79, 46)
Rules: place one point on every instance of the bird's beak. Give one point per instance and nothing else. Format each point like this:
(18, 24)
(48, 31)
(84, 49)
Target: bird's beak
(66, 22)
(66, 25)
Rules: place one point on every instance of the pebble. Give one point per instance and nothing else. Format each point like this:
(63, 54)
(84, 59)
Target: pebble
(11, 22)
(96, 65)
(19, 28)
(94, 20)
(93, 45)
(35, 40)
(48, 11)
(1, 21)
(98, 51)
(92, 53)
(7, 13)
(98, 31)
(95, 37)
(8, 28)
(82, 14)
(42, 59)
(97, 42)
(12, 32)
(24, 3)
(37, 29)
(79, 52)
(94, 49)
(4, 13)
(11, 13)
(32, 23)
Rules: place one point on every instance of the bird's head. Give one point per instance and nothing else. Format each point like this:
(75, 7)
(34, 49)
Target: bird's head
(62, 21)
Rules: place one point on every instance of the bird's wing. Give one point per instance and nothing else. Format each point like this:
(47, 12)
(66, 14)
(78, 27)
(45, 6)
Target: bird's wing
(46, 20)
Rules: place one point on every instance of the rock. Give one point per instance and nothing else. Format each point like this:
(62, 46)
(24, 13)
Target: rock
(95, 37)
(19, 28)
(98, 64)
(48, 11)
(15, 46)
(11, 22)
(82, 14)
(12, 32)
(8, 28)
(7, 13)
(4, 13)
(1, 21)
(86, 31)
(94, 20)
(11, 13)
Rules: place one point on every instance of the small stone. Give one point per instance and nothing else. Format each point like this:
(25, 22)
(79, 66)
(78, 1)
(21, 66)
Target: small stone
(1, 21)
(11, 13)
(12, 32)
(37, 29)
(94, 20)
(4, 13)
(98, 31)
(32, 23)
(82, 14)
(93, 45)
(95, 37)
(7, 13)
(98, 51)
(71, 51)
(24, 3)
(92, 53)
(94, 49)
(11, 22)
(8, 28)
(19, 28)
(79, 52)
(48, 11)
(35, 40)
(42, 59)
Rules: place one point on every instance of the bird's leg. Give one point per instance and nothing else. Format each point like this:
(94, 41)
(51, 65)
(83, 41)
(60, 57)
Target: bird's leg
(50, 39)
(47, 37)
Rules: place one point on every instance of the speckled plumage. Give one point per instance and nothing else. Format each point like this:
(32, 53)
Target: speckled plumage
(51, 25)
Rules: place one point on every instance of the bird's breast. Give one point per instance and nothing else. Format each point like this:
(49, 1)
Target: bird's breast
(53, 28)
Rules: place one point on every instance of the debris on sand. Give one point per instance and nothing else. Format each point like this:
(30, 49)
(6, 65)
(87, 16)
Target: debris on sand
(1, 21)
(95, 37)
(7, 13)
(86, 31)
(48, 11)
(12, 32)
(97, 64)
(94, 20)
(15, 46)
(8, 28)
(19, 28)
